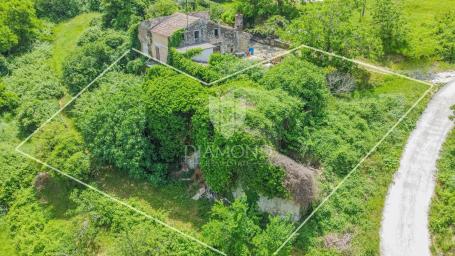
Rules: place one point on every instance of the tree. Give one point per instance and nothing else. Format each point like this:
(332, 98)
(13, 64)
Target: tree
(391, 25)
(19, 25)
(259, 10)
(445, 34)
(57, 10)
(120, 14)
(162, 8)
(329, 26)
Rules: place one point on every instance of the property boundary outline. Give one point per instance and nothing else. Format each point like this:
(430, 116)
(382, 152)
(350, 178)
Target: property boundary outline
(303, 46)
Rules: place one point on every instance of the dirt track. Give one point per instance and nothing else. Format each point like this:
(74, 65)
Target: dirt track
(404, 228)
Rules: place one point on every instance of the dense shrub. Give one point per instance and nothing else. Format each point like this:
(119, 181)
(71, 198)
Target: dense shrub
(185, 64)
(32, 76)
(33, 112)
(349, 131)
(227, 64)
(256, 11)
(8, 100)
(4, 70)
(113, 124)
(62, 147)
(98, 50)
(304, 80)
(329, 26)
(161, 8)
(235, 230)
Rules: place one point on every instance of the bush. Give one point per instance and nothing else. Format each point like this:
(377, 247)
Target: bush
(63, 148)
(442, 220)
(98, 50)
(8, 100)
(301, 79)
(227, 64)
(33, 112)
(235, 230)
(179, 61)
(33, 77)
(3, 66)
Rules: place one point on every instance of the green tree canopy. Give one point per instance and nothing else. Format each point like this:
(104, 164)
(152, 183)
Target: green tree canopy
(121, 14)
(57, 10)
(392, 27)
(19, 25)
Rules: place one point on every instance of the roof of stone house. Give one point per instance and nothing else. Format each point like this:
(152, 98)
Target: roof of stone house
(173, 23)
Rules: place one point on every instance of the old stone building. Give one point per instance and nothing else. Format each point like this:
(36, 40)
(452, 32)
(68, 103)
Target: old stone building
(197, 31)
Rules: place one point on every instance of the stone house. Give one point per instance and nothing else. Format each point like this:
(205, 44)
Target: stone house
(194, 30)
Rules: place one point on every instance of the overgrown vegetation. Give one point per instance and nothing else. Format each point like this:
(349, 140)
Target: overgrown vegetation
(442, 220)
(131, 132)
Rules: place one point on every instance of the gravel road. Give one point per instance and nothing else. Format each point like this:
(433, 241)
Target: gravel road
(404, 228)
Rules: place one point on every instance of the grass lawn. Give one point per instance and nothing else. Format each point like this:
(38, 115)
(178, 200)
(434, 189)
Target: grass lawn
(172, 198)
(66, 36)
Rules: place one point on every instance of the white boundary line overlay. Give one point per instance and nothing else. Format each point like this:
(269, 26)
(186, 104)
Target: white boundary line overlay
(294, 233)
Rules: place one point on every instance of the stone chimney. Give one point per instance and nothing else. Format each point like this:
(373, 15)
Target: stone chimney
(239, 21)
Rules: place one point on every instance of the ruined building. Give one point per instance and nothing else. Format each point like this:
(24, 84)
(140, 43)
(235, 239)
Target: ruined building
(191, 31)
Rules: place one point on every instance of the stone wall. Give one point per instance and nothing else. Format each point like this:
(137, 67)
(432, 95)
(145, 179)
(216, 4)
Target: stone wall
(228, 39)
